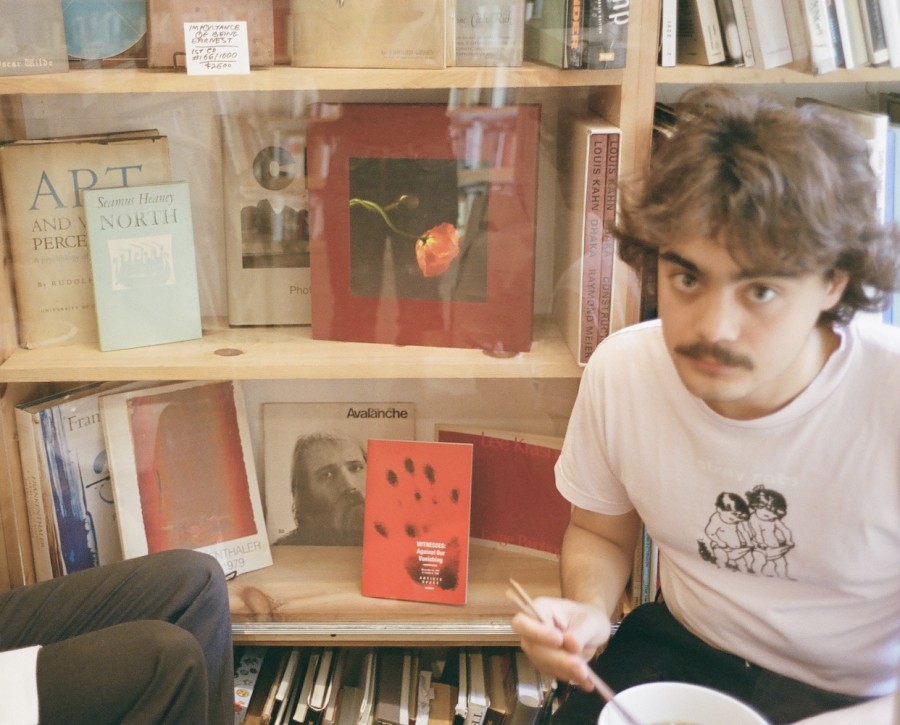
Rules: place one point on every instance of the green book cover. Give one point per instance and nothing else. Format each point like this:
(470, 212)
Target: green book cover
(141, 244)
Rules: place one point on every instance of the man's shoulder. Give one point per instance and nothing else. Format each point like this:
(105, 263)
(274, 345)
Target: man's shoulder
(634, 341)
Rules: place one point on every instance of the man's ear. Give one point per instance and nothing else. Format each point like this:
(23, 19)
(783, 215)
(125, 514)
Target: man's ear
(836, 282)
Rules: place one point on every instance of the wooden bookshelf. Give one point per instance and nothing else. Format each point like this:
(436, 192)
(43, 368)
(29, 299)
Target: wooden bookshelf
(311, 596)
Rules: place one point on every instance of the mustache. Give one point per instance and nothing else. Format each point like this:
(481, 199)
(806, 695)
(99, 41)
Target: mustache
(722, 355)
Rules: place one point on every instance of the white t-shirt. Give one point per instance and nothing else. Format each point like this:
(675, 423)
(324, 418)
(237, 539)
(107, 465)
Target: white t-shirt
(779, 537)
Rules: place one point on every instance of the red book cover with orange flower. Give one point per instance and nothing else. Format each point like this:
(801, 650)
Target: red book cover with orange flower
(422, 224)
(416, 537)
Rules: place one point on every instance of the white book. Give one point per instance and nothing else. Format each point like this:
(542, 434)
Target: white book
(743, 28)
(699, 33)
(731, 38)
(768, 33)
(890, 18)
(477, 699)
(797, 34)
(312, 667)
(822, 57)
(873, 30)
(853, 39)
(668, 33)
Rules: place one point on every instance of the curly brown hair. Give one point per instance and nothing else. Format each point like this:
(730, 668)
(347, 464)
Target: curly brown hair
(787, 189)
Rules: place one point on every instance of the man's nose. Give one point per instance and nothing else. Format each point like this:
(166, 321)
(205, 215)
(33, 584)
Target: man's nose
(719, 317)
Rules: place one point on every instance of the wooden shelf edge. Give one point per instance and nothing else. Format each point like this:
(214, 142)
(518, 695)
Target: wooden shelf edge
(255, 353)
(286, 78)
(311, 594)
(696, 74)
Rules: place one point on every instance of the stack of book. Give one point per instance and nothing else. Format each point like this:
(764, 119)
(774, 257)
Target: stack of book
(814, 36)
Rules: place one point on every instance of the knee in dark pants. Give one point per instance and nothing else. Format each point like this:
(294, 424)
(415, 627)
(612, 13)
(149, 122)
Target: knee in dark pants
(173, 649)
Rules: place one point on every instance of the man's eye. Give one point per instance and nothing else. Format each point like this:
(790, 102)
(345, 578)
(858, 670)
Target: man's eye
(685, 281)
(761, 293)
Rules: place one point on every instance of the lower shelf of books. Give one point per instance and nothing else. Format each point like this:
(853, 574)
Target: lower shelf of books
(389, 686)
(311, 596)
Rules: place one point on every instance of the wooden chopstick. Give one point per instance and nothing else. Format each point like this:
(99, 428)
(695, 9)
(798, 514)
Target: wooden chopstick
(525, 603)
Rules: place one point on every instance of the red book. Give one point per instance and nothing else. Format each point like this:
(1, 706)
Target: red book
(514, 496)
(422, 224)
(416, 536)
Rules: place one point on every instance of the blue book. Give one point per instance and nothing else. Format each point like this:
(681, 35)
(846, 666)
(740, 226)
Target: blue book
(141, 244)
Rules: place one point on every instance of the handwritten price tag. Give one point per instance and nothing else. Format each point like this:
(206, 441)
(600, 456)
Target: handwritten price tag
(218, 48)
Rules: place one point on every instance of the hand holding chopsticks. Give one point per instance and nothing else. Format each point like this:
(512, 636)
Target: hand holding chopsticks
(523, 601)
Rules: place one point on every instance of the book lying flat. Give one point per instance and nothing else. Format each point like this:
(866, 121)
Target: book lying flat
(183, 473)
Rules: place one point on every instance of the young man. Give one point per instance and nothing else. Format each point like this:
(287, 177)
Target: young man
(753, 429)
(146, 640)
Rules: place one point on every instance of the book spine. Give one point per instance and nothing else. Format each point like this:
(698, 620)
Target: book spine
(592, 252)
(822, 57)
(27, 428)
(699, 33)
(890, 19)
(668, 30)
(608, 244)
(853, 39)
(768, 32)
(873, 31)
(605, 35)
(730, 36)
(575, 34)
(743, 29)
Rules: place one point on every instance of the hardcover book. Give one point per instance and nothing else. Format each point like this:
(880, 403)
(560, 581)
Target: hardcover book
(32, 38)
(42, 182)
(266, 220)
(183, 473)
(67, 478)
(416, 536)
(315, 466)
(141, 241)
(585, 262)
(423, 224)
(606, 33)
(699, 33)
(166, 19)
(514, 496)
(489, 34)
(368, 33)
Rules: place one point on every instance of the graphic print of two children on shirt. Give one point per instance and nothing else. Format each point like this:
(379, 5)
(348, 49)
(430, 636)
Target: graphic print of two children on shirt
(749, 535)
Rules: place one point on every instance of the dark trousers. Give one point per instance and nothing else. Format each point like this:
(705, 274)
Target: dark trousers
(652, 646)
(146, 641)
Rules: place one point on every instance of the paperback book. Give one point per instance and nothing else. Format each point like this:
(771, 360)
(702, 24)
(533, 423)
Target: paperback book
(42, 182)
(183, 473)
(423, 224)
(141, 242)
(266, 220)
(369, 34)
(315, 466)
(514, 496)
(416, 536)
(67, 480)
(32, 38)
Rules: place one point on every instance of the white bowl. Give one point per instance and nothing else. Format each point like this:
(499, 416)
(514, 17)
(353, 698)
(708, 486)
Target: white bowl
(662, 703)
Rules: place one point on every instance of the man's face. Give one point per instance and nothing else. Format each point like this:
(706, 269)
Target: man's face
(743, 342)
(336, 472)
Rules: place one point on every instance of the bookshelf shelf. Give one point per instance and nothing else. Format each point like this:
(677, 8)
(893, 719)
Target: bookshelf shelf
(281, 78)
(697, 75)
(225, 353)
(311, 595)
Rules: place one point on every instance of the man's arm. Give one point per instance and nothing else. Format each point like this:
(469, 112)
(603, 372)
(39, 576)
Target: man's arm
(597, 556)
(596, 560)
